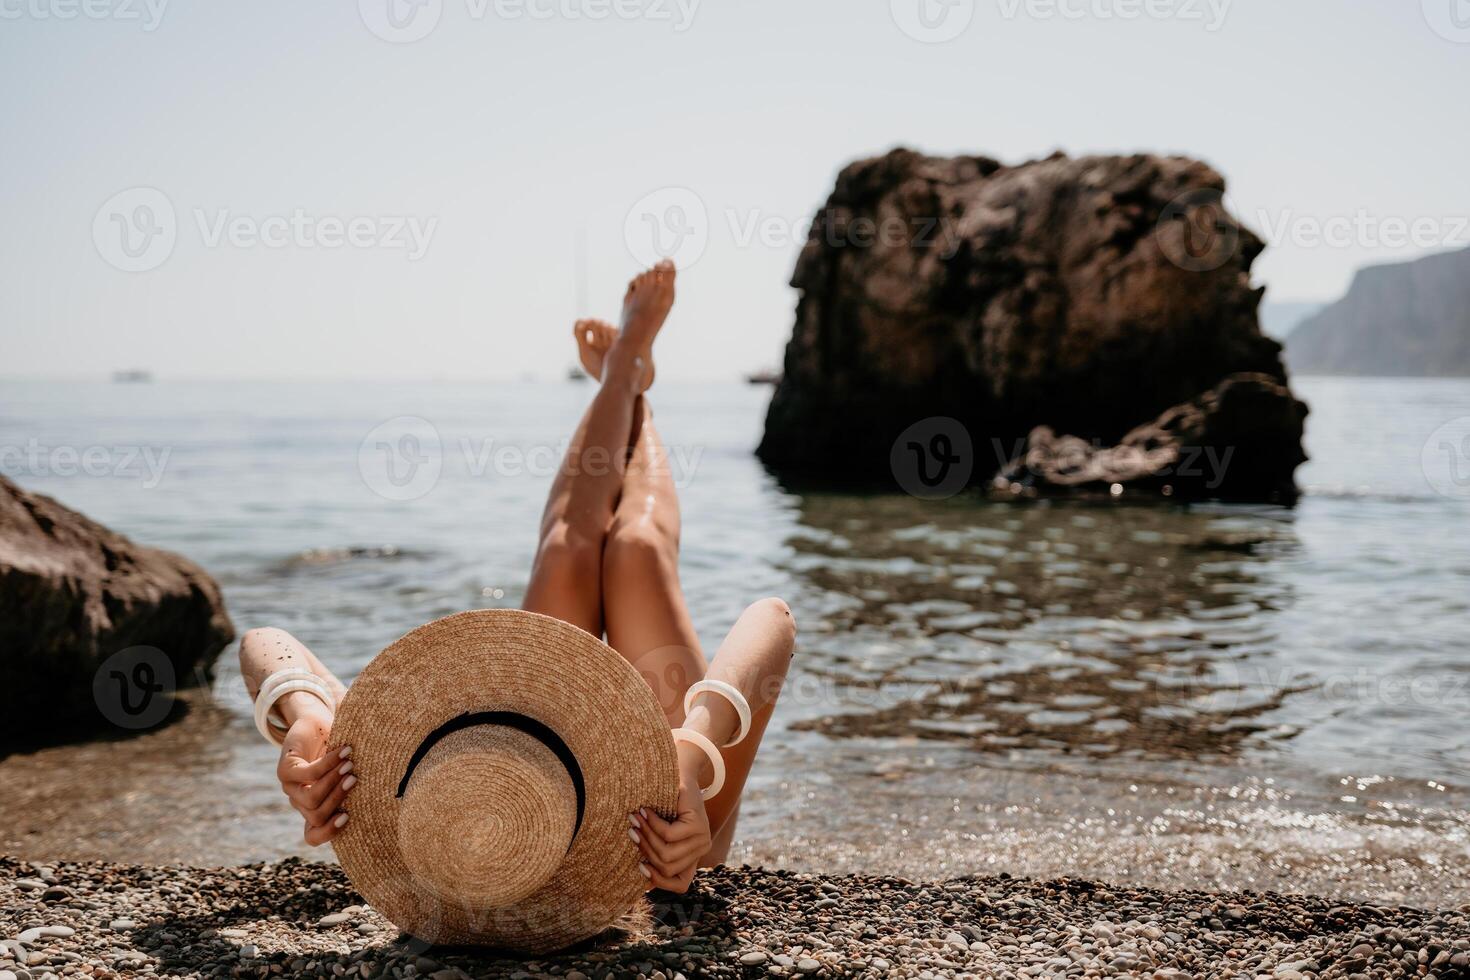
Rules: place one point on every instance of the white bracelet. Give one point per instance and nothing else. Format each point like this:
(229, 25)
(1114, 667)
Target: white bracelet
(732, 694)
(283, 682)
(715, 760)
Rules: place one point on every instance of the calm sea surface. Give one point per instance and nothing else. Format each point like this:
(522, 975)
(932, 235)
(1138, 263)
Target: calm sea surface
(1221, 697)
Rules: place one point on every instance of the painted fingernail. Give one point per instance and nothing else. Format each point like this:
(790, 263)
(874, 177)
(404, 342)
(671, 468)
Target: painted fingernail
(340, 822)
(345, 752)
(643, 870)
(643, 812)
(633, 819)
(344, 769)
(637, 838)
(348, 783)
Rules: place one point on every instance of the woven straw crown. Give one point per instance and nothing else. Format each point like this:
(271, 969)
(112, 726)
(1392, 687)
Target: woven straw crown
(498, 754)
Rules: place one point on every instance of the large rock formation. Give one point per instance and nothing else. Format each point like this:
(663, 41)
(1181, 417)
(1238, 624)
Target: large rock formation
(1410, 318)
(72, 595)
(1087, 295)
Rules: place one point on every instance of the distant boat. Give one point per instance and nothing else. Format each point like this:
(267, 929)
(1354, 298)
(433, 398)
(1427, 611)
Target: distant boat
(132, 377)
(763, 378)
(575, 373)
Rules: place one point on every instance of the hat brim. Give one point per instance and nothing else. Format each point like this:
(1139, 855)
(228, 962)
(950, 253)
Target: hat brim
(533, 665)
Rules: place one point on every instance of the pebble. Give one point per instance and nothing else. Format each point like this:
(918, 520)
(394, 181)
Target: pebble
(333, 919)
(753, 958)
(807, 965)
(29, 937)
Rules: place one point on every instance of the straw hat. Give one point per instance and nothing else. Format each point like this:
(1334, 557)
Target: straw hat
(498, 755)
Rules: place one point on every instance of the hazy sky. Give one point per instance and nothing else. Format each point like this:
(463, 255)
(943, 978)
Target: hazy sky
(328, 202)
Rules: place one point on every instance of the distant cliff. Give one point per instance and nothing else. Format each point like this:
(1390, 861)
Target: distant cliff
(1412, 318)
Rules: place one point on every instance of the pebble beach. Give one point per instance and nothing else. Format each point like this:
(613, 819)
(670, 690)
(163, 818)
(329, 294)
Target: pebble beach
(296, 918)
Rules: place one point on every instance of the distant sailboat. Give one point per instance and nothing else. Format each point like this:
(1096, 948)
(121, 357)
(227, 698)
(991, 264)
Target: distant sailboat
(132, 376)
(769, 377)
(579, 272)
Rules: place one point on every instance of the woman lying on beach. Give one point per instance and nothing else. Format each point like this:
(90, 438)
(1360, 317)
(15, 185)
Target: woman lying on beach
(607, 563)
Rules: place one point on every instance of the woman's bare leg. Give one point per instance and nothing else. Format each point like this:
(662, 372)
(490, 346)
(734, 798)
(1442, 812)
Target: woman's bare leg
(648, 623)
(647, 619)
(566, 577)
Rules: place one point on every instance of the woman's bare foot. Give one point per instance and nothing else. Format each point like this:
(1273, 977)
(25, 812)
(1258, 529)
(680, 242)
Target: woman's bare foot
(645, 307)
(594, 339)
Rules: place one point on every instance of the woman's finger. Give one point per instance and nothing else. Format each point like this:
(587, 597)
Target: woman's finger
(309, 797)
(294, 769)
(669, 830)
(677, 853)
(317, 836)
(328, 808)
(671, 869)
(318, 791)
(648, 840)
(668, 883)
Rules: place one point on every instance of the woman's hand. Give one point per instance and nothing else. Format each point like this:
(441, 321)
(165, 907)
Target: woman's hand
(314, 782)
(672, 849)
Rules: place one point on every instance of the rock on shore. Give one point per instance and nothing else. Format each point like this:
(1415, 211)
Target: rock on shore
(299, 919)
(73, 594)
(1239, 440)
(1088, 295)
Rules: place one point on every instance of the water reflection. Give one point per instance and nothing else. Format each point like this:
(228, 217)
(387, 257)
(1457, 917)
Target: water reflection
(1068, 627)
